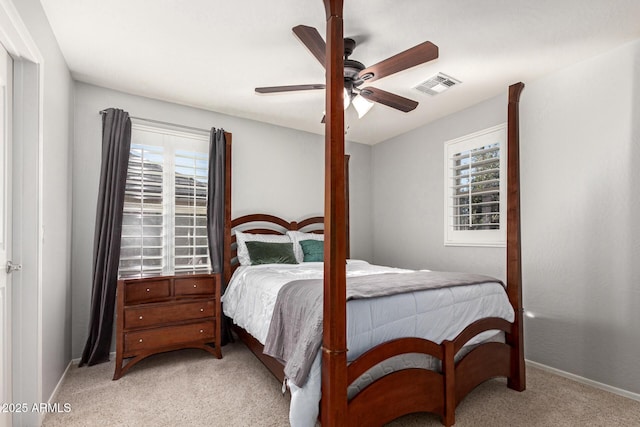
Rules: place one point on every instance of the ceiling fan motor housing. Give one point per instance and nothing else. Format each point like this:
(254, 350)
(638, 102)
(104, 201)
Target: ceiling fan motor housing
(351, 67)
(349, 46)
(351, 70)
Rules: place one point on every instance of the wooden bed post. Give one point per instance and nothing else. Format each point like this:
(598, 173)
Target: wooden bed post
(334, 343)
(516, 378)
(226, 270)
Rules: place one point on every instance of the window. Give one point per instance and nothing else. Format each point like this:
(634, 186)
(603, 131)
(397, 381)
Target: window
(165, 212)
(475, 184)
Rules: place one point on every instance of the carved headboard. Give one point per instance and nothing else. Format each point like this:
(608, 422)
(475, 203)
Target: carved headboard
(263, 224)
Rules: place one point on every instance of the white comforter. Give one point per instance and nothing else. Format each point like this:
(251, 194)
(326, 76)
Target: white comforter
(436, 315)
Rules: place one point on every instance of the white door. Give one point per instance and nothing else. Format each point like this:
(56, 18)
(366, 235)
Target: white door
(5, 234)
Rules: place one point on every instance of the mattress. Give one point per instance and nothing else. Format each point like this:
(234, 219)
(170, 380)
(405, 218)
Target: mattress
(435, 314)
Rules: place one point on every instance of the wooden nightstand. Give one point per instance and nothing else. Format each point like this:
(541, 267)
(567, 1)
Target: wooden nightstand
(159, 314)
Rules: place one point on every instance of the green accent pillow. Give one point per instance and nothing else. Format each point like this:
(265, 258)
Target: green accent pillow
(313, 250)
(271, 253)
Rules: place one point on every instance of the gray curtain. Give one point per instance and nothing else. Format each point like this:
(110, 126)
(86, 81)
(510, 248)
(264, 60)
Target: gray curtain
(215, 198)
(215, 210)
(116, 143)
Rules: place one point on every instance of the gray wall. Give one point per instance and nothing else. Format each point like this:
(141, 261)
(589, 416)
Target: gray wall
(275, 170)
(408, 196)
(580, 147)
(57, 89)
(580, 178)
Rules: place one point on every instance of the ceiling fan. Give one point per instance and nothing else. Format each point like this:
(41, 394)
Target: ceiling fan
(356, 74)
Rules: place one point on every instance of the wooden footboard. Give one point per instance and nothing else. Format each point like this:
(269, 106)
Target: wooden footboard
(411, 390)
(421, 390)
(485, 361)
(416, 390)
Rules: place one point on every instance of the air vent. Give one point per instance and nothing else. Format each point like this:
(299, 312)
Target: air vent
(437, 84)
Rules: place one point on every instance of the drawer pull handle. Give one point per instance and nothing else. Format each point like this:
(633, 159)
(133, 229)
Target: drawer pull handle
(140, 340)
(140, 317)
(195, 286)
(148, 289)
(201, 330)
(201, 310)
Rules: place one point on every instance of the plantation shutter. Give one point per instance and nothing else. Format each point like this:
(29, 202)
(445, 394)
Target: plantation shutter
(191, 247)
(141, 247)
(474, 184)
(164, 228)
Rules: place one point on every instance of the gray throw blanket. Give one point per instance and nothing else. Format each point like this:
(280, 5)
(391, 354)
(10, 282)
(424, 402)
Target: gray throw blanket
(295, 332)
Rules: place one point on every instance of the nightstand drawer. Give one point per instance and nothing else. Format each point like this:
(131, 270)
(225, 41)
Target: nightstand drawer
(194, 286)
(147, 291)
(168, 336)
(154, 314)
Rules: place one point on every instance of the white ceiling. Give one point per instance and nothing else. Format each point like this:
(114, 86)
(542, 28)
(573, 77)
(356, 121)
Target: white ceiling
(212, 54)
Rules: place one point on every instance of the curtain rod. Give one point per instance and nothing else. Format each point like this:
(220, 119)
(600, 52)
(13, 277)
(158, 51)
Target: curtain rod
(164, 123)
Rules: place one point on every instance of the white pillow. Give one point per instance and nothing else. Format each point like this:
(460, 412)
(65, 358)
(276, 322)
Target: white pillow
(242, 238)
(298, 236)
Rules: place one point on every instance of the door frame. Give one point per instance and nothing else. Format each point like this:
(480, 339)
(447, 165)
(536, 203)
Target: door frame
(27, 228)
(6, 212)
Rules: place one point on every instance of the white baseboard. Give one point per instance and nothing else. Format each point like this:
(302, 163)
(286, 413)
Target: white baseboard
(56, 390)
(587, 381)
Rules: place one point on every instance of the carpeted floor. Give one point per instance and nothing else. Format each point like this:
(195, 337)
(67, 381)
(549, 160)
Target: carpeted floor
(191, 388)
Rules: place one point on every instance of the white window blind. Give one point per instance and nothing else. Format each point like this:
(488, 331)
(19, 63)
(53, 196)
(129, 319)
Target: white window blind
(164, 218)
(191, 249)
(143, 222)
(474, 188)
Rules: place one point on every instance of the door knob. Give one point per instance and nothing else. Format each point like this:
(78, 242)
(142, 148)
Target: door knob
(11, 267)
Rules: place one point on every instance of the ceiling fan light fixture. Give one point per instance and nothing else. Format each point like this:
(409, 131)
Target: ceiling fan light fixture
(347, 98)
(361, 105)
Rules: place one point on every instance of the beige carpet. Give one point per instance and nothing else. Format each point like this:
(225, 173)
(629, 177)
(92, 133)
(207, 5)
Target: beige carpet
(191, 388)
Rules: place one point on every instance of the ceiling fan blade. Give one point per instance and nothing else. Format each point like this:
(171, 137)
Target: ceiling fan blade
(312, 39)
(389, 99)
(277, 89)
(424, 52)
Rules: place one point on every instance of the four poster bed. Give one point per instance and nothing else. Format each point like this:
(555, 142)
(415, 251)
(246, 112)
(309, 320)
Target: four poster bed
(487, 344)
